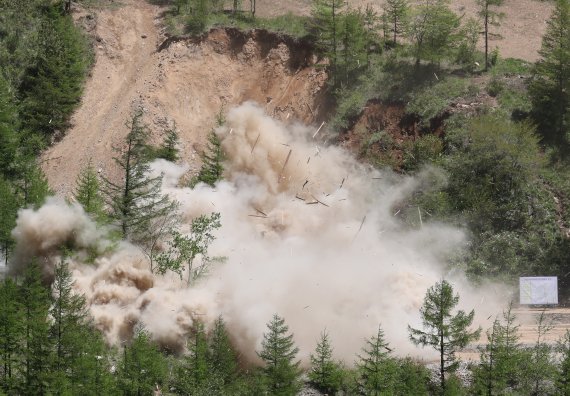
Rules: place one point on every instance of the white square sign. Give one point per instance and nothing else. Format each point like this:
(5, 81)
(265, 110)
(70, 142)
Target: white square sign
(538, 290)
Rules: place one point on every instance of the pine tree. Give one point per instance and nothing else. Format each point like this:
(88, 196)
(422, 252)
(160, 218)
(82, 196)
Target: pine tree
(541, 370)
(550, 88)
(143, 367)
(169, 147)
(11, 316)
(444, 332)
(327, 24)
(325, 373)
(396, 16)
(31, 186)
(8, 136)
(52, 86)
(37, 345)
(490, 17)
(8, 208)
(377, 369)
(353, 42)
(563, 375)
(222, 358)
(278, 352)
(87, 192)
(198, 356)
(68, 330)
(212, 162)
(136, 202)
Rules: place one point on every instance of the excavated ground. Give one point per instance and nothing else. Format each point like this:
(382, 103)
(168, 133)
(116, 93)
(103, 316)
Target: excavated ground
(177, 80)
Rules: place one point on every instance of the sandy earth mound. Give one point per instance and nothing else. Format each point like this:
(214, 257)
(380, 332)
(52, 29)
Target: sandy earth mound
(185, 81)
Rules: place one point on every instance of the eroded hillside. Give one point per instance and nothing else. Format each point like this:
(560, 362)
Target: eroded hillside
(183, 81)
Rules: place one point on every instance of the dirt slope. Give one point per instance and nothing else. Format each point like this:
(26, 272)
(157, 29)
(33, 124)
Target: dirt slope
(520, 33)
(186, 82)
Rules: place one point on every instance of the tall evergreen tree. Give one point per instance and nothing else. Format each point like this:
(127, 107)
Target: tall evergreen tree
(52, 86)
(396, 17)
(68, 331)
(353, 46)
(222, 358)
(444, 331)
(169, 147)
(212, 162)
(563, 375)
(37, 346)
(550, 88)
(87, 192)
(278, 352)
(327, 25)
(136, 201)
(325, 373)
(8, 136)
(142, 367)
(378, 371)
(8, 207)
(11, 316)
(490, 17)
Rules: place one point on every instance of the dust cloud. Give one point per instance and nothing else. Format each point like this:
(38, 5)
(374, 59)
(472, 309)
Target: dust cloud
(307, 232)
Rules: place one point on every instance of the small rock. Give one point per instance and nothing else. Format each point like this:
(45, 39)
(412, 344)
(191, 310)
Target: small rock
(143, 36)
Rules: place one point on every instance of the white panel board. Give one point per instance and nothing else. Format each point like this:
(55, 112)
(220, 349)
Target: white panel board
(537, 290)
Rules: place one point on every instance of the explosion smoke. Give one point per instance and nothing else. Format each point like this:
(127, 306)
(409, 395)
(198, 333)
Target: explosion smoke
(323, 249)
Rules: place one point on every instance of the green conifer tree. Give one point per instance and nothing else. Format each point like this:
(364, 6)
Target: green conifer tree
(327, 24)
(550, 88)
(9, 208)
(281, 371)
(444, 332)
(378, 371)
(8, 125)
(563, 374)
(212, 162)
(37, 345)
(396, 16)
(136, 202)
(325, 373)
(68, 331)
(490, 17)
(222, 357)
(11, 317)
(87, 192)
(52, 86)
(169, 147)
(142, 367)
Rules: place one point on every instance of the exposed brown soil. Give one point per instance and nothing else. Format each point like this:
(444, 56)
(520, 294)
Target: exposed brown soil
(188, 81)
(518, 36)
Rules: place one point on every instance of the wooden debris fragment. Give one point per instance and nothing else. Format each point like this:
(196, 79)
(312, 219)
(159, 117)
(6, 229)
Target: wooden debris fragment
(260, 212)
(318, 130)
(321, 202)
(255, 144)
(284, 165)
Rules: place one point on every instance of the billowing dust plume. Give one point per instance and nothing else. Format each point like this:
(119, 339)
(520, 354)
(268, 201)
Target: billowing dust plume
(308, 233)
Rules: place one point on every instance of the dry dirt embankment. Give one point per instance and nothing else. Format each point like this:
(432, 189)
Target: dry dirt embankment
(186, 81)
(518, 36)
